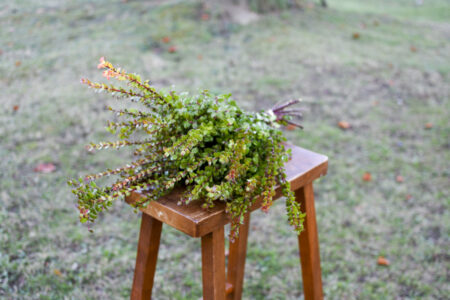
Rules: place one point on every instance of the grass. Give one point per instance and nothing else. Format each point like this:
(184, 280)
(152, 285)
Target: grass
(387, 84)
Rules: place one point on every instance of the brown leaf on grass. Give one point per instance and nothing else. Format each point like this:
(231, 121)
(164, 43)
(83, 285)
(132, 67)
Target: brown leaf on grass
(166, 39)
(428, 126)
(18, 63)
(356, 35)
(205, 17)
(344, 124)
(172, 49)
(15, 107)
(408, 197)
(367, 176)
(382, 261)
(199, 57)
(45, 168)
(413, 48)
(291, 127)
(399, 178)
(57, 273)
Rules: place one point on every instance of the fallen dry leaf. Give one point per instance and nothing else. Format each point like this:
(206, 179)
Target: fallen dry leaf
(413, 49)
(291, 127)
(172, 49)
(205, 17)
(408, 197)
(344, 124)
(45, 168)
(16, 107)
(428, 126)
(399, 178)
(57, 273)
(199, 57)
(382, 261)
(367, 176)
(356, 35)
(18, 63)
(166, 39)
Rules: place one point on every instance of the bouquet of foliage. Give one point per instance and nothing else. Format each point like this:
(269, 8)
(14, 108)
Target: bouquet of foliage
(204, 142)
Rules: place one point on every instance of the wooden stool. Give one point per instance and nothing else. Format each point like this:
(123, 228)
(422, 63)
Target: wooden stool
(304, 167)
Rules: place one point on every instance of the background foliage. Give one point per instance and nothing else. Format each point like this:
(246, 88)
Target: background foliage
(381, 66)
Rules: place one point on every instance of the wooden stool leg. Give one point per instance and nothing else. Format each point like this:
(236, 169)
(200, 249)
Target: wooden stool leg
(213, 265)
(309, 246)
(147, 256)
(236, 261)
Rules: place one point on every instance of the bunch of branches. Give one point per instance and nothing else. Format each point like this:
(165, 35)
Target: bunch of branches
(204, 142)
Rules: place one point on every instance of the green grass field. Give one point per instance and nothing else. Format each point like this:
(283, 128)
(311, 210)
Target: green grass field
(387, 84)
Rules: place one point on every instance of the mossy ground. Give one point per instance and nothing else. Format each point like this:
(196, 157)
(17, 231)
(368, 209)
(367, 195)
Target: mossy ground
(387, 84)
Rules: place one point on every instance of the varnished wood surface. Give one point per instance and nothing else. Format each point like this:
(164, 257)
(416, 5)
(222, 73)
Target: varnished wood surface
(236, 261)
(213, 265)
(146, 258)
(308, 242)
(304, 167)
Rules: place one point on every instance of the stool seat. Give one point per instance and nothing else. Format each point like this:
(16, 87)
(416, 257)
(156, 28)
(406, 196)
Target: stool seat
(223, 280)
(303, 167)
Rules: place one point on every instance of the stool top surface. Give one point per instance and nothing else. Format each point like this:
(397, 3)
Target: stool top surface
(304, 167)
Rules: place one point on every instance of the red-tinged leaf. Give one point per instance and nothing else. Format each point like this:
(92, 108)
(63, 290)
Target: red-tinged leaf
(172, 49)
(382, 261)
(16, 107)
(45, 168)
(413, 48)
(205, 17)
(367, 176)
(399, 178)
(344, 125)
(428, 126)
(18, 63)
(291, 127)
(199, 57)
(166, 39)
(408, 197)
(356, 35)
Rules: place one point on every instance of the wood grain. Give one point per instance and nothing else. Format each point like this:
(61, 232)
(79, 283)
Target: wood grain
(309, 246)
(304, 167)
(147, 255)
(236, 261)
(213, 265)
